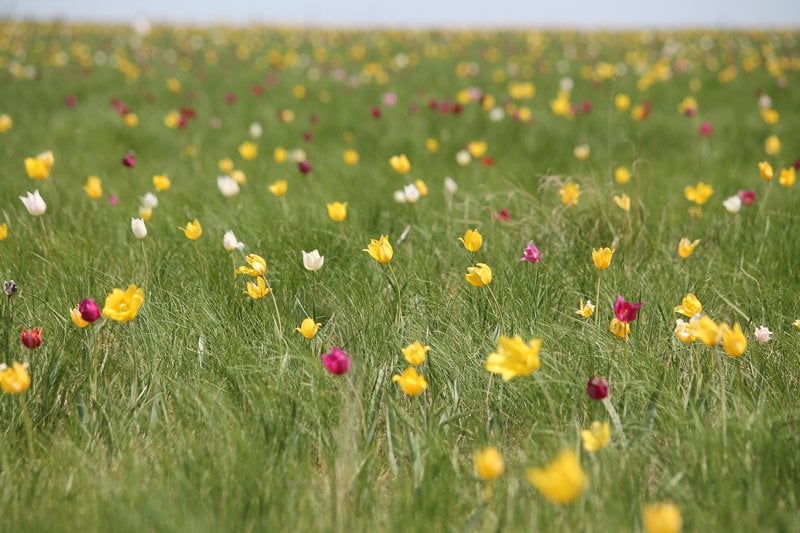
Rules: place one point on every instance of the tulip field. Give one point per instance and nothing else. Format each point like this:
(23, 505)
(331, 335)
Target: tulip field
(286, 279)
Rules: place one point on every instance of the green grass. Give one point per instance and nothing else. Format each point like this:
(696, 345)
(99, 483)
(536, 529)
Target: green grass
(204, 414)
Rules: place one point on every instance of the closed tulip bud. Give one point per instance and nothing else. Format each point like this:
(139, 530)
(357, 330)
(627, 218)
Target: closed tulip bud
(312, 260)
(34, 203)
(308, 328)
(472, 240)
(304, 167)
(227, 186)
(31, 338)
(230, 243)
(89, 309)
(337, 211)
(337, 362)
(489, 464)
(138, 228)
(597, 388)
(129, 160)
(602, 257)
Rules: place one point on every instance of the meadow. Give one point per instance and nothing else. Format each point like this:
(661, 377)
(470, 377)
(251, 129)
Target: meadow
(192, 403)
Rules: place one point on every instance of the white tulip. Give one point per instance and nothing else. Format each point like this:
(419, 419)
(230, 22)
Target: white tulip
(399, 197)
(149, 200)
(733, 204)
(450, 186)
(411, 193)
(497, 114)
(312, 260)
(227, 186)
(34, 203)
(138, 228)
(256, 130)
(463, 158)
(230, 242)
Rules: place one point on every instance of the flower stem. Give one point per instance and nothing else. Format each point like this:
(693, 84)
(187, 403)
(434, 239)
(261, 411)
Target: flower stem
(9, 325)
(399, 314)
(612, 412)
(46, 240)
(28, 423)
(497, 307)
(597, 298)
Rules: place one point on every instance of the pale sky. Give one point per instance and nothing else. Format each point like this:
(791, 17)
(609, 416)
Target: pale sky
(423, 13)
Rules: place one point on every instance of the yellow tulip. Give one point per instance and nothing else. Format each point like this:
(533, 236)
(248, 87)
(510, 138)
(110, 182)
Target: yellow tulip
(280, 155)
(193, 230)
(585, 309)
(477, 148)
(130, 120)
(77, 319)
(705, 330)
(699, 193)
(123, 306)
(622, 102)
(380, 250)
(570, 193)
(225, 165)
(602, 257)
(663, 517)
(489, 464)
(596, 437)
(257, 268)
(787, 177)
(479, 275)
(623, 202)
(733, 340)
(350, 157)
(308, 328)
(472, 240)
(15, 379)
(560, 481)
(161, 183)
(620, 329)
(415, 353)
(93, 188)
(622, 175)
(432, 145)
(258, 289)
(514, 357)
(248, 150)
(337, 211)
(765, 170)
(690, 306)
(772, 145)
(400, 164)
(6, 123)
(422, 187)
(686, 247)
(279, 188)
(411, 382)
(3, 231)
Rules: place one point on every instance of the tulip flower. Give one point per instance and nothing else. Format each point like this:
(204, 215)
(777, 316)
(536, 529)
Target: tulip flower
(39, 167)
(350, 157)
(138, 228)
(626, 311)
(89, 310)
(472, 240)
(585, 309)
(705, 330)
(619, 328)
(422, 187)
(686, 247)
(230, 243)
(336, 361)
(582, 152)
(733, 340)
(690, 306)
(258, 289)
(479, 275)
(415, 353)
(161, 183)
(748, 197)
(123, 306)
(596, 437)
(683, 331)
(308, 328)
(278, 188)
(622, 175)
(15, 379)
(75, 317)
(602, 257)
(570, 193)
(531, 253)
(312, 260)
(623, 201)
(34, 203)
(93, 188)
(227, 186)
(411, 382)
(31, 338)
(699, 194)
(514, 357)
(772, 145)
(450, 186)
(380, 250)
(597, 388)
(304, 167)
(248, 150)
(488, 463)
(3, 231)
(400, 164)
(663, 517)
(765, 170)
(193, 230)
(732, 204)
(787, 177)
(257, 268)
(337, 211)
(562, 480)
(6, 123)
(129, 160)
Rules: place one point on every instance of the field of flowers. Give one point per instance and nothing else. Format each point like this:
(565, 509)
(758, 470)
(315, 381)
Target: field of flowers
(289, 279)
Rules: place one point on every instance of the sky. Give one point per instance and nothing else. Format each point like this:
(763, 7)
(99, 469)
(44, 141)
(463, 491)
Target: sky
(423, 13)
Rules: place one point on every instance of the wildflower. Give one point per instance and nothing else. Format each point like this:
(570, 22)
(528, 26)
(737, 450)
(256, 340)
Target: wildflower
(463, 158)
(411, 193)
(280, 155)
(399, 196)
(699, 194)
(230, 243)
(149, 200)
(400, 164)
(34, 203)
(623, 202)
(747, 197)
(626, 311)
(255, 130)
(772, 145)
(431, 145)
(308, 328)
(193, 230)
(503, 215)
(350, 157)
(582, 152)
(415, 353)
(89, 310)
(337, 362)
(686, 247)
(488, 463)
(622, 175)
(138, 228)
(531, 253)
(15, 379)
(225, 165)
(472, 240)
(304, 167)
(479, 275)
(570, 193)
(597, 388)
(763, 334)
(477, 148)
(705, 330)
(380, 250)
(313, 261)
(257, 268)
(422, 187)
(690, 306)
(733, 341)
(787, 177)
(258, 289)
(706, 128)
(765, 170)
(39, 167)
(596, 437)
(796, 323)
(31, 338)
(227, 186)
(6, 123)
(123, 306)
(279, 188)
(663, 517)
(619, 328)
(93, 188)
(622, 102)
(683, 331)
(75, 317)
(514, 357)
(733, 204)
(248, 150)
(411, 382)
(560, 481)
(161, 182)
(129, 159)
(3, 231)
(337, 211)
(585, 309)
(602, 257)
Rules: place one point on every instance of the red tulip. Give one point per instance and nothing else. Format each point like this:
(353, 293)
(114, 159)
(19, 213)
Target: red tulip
(597, 388)
(129, 159)
(89, 310)
(336, 361)
(31, 338)
(626, 311)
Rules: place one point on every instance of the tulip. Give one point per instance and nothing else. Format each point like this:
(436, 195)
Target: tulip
(227, 186)
(193, 230)
(489, 464)
(597, 388)
(787, 177)
(531, 253)
(602, 257)
(257, 268)
(313, 261)
(411, 382)
(75, 317)
(686, 247)
(472, 240)
(279, 188)
(619, 328)
(704, 329)
(733, 204)
(336, 361)
(623, 202)
(161, 183)
(561, 481)
(304, 167)
(129, 159)
(765, 170)
(400, 164)
(258, 289)
(622, 175)
(663, 517)
(690, 306)
(6, 123)
(699, 194)
(411, 193)
(230, 243)
(380, 250)
(350, 157)
(93, 188)
(3, 231)
(450, 186)
(514, 357)
(149, 200)
(585, 309)
(479, 275)
(463, 158)
(31, 338)
(123, 306)
(733, 340)
(337, 211)
(138, 228)
(308, 328)
(255, 130)
(570, 193)
(15, 379)
(596, 437)
(748, 197)
(415, 353)
(626, 311)
(422, 187)
(89, 310)
(34, 203)
(248, 150)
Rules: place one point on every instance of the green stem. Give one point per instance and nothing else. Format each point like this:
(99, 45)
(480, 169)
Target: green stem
(497, 308)
(28, 423)
(612, 412)
(399, 314)
(9, 325)
(597, 298)
(46, 241)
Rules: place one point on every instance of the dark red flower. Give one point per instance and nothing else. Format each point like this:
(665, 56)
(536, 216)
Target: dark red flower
(487, 161)
(31, 338)
(503, 215)
(129, 159)
(375, 112)
(308, 136)
(256, 89)
(706, 128)
(70, 100)
(230, 98)
(304, 166)
(89, 310)
(747, 197)
(626, 311)
(597, 388)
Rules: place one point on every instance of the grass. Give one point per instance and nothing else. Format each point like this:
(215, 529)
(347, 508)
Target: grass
(203, 414)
